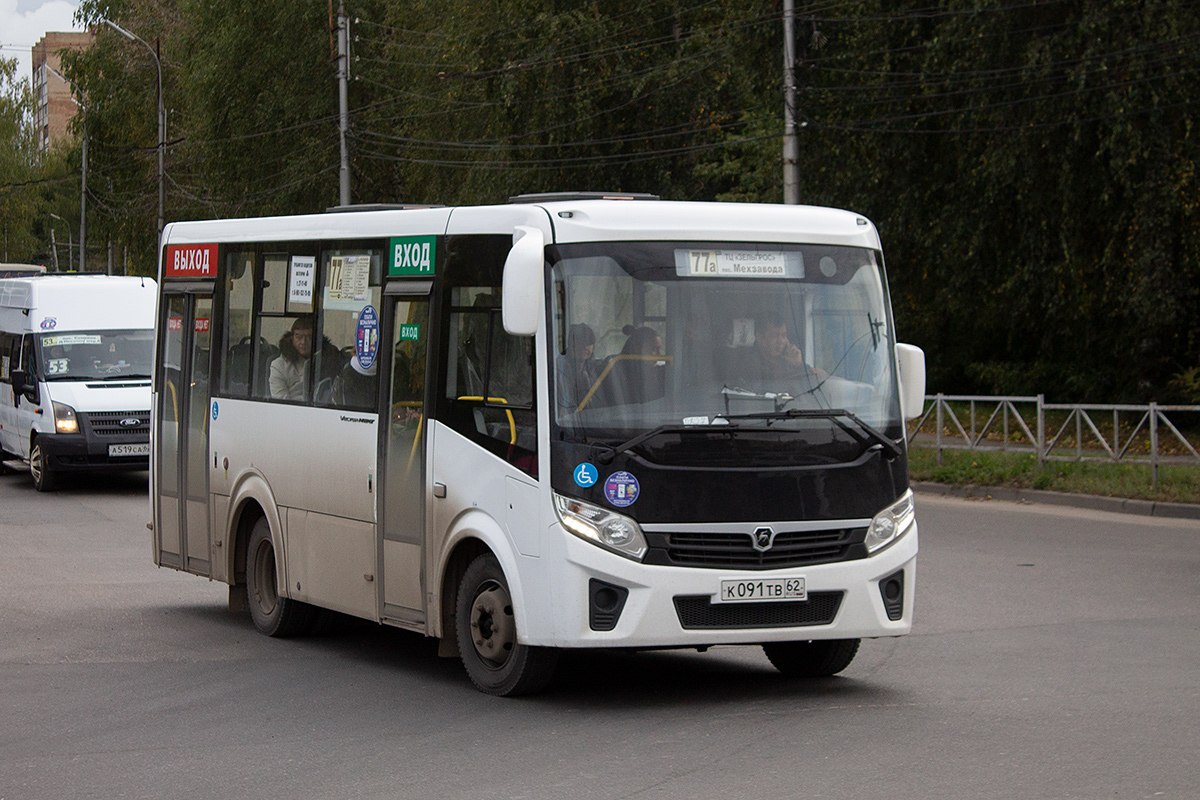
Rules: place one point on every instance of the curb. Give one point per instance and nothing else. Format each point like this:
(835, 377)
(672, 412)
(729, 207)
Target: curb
(1115, 505)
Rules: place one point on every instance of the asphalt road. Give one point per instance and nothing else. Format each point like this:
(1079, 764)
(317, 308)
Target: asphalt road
(1056, 654)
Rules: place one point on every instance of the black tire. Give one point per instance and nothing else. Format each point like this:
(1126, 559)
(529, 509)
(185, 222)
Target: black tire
(486, 630)
(273, 615)
(817, 659)
(44, 478)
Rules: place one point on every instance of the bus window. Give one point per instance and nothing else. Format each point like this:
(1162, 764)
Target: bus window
(490, 378)
(243, 361)
(345, 361)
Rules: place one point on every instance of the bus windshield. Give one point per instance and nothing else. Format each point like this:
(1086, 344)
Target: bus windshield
(759, 336)
(97, 355)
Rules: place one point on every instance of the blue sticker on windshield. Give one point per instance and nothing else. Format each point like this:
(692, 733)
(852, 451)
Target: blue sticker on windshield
(214, 412)
(586, 475)
(621, 489)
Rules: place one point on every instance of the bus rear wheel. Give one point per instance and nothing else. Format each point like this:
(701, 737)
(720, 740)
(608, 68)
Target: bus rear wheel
(816, 659)
(44, 479)
(272, 614)
(486, 629)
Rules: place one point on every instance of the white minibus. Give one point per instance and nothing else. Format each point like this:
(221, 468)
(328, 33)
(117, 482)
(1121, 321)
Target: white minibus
(76, 353)
(570, 421)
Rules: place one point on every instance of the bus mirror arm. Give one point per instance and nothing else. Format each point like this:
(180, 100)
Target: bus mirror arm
(521, 289)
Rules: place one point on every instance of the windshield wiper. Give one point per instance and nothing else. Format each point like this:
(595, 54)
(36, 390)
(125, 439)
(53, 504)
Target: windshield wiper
(833, 414)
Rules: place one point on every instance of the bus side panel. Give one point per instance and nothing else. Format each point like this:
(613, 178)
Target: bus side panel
(331, 562)
(477, 505)
(316, 459)
(218, 525)
(293, 460)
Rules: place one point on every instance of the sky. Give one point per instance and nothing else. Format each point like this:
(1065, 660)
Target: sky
(24, 22)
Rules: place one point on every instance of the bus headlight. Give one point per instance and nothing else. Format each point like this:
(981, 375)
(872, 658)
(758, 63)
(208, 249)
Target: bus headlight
(64, 419)
(891, 523)
(600, 526)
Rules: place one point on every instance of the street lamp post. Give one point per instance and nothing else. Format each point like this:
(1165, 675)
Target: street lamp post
(162, 114)
(70, 244)
(82, 173)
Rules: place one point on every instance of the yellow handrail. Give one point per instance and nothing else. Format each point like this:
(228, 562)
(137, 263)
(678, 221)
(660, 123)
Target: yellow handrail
(608, 368)
(512, 423)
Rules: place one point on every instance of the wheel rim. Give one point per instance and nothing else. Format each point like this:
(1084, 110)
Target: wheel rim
(265, 596)
(493, 631)
(35, 463)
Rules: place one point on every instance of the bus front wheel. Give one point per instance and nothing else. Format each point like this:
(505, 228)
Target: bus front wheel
(816, 659)
(44, 479)
(487, 635)
(272, 614)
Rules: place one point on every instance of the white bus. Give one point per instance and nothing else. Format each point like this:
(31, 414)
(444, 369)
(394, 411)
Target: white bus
(76, 356)
(564, 422)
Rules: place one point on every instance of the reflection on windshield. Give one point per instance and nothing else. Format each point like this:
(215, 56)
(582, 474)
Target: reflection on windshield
(651, 334)
(97, 355)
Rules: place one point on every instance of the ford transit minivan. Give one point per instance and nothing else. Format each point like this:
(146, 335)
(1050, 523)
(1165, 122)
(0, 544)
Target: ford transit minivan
(76, 358)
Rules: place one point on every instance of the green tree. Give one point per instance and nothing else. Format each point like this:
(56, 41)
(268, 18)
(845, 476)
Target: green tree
(18, 165)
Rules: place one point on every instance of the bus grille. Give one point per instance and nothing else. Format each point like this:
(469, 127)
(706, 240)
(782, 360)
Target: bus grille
(109, 423)
(697, 612)
(736, 550)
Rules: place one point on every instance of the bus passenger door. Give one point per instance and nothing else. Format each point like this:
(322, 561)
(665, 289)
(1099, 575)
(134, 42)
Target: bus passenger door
(403, 428)
(181, 469)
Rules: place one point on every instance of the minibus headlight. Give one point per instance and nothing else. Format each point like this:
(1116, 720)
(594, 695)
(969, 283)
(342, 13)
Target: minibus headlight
(64, 419)
(600, 526)
(891, 523)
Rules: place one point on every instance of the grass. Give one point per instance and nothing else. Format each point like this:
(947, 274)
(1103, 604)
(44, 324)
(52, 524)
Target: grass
(1176, 484)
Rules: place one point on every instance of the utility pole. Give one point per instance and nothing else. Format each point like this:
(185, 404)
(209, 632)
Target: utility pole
(83, 199)
(343, 71)
(791, 145)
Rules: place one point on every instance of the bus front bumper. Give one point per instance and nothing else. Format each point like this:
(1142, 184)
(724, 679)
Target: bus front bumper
(66, 452)
(662, 606)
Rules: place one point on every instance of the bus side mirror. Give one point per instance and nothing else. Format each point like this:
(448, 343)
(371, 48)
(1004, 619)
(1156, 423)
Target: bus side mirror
(22, 387)
(521, 291)
(911, 361)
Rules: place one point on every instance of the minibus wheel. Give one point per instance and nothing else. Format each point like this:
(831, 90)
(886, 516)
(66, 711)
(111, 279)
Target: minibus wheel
(272, 614)
(487, 635)
(44, 479)
(816, 659)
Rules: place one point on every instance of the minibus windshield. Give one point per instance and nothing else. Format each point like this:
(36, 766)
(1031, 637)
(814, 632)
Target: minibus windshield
(96, 355)
(712, 334)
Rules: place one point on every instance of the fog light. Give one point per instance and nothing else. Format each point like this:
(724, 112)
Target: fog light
(891, 589)
(606, 601)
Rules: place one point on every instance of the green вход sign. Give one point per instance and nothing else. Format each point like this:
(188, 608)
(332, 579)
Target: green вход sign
(412, 255)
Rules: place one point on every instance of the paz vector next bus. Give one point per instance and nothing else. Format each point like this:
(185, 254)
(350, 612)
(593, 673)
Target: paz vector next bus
(565, 422)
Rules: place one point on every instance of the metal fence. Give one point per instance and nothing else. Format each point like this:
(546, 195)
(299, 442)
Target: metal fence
(1141, 434)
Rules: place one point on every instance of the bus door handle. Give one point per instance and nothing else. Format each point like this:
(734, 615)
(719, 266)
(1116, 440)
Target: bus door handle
(439, 490)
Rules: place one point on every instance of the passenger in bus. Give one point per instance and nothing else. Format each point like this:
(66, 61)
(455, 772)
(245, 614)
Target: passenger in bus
(634, 375)
(642, 341)
(289, 373)
(576, 369)
(773, 358)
